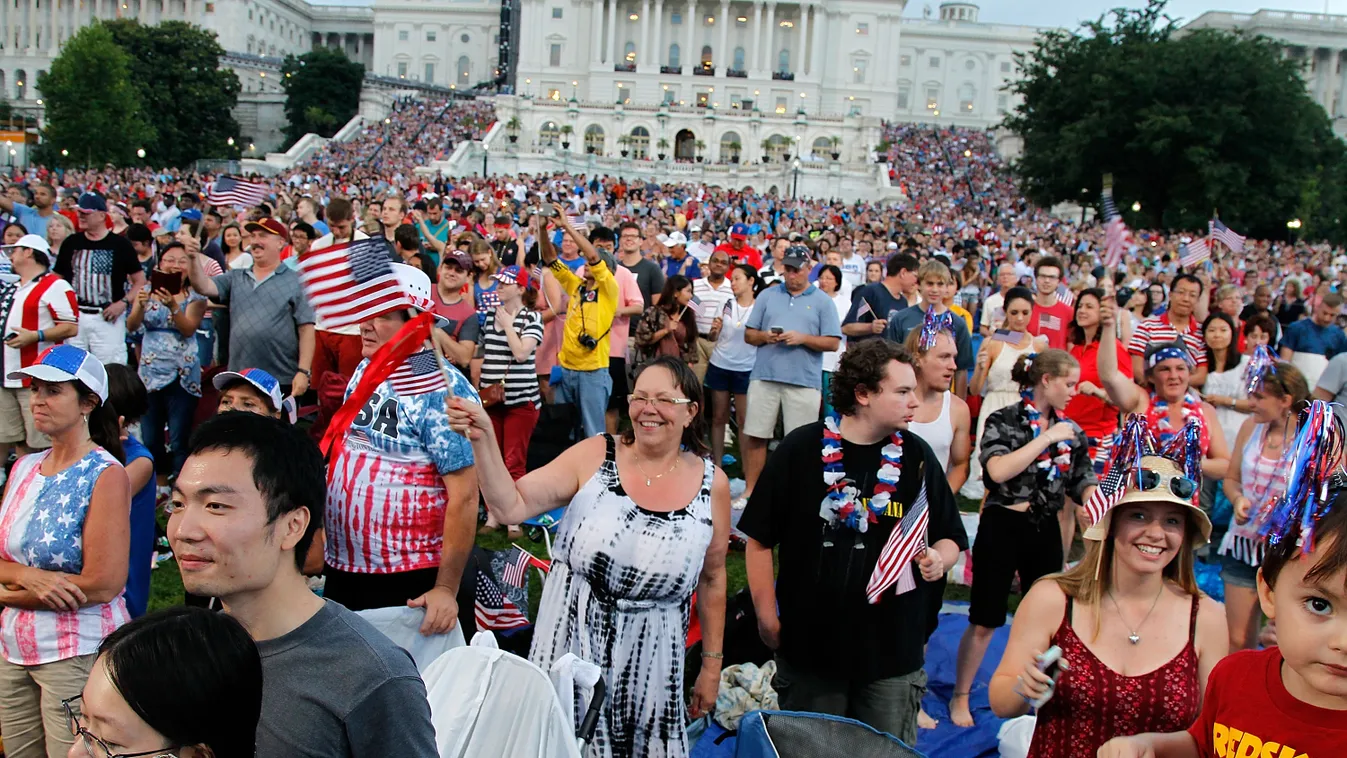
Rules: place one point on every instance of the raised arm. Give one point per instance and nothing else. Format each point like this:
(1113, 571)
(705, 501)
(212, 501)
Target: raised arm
(201, 282)
(1122, 392)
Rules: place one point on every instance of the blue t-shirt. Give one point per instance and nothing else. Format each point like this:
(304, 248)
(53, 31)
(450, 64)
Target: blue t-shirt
(1305, 336)
(689, 267)
(810, 312)
(33, 221)
(142, 534)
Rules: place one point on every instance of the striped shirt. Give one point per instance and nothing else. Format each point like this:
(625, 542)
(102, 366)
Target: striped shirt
(712, 301)
(97, 270)
(1159, 330)
(42, 525)
(500, 365)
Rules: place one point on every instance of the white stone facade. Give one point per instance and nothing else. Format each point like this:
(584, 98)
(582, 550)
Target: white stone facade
(437, 43)
(1317, 40)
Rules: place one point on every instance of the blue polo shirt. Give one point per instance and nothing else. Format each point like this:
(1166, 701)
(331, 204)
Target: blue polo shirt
(1305, 336)
(811, 312)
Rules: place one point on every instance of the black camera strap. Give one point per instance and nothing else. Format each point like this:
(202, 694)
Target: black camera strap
(580, 292)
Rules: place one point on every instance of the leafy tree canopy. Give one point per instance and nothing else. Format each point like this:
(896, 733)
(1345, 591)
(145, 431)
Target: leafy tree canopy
(93, 110)
(175, 67)
(322, 89)
(1187, 123)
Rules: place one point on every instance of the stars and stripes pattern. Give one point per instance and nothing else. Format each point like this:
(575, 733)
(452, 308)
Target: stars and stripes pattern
(1065, 295)
(903, 546)
(1106, 495)
(492, 610)
(418, 375)
(351, 282)
(1116, 234)
(230, 191)
(517, 564)
(1225, 235)
(1194, 252)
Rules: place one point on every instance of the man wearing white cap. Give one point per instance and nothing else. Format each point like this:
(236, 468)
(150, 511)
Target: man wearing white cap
(41, 314)
(679, 263)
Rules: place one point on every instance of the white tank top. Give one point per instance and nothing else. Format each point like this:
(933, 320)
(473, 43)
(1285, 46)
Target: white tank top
(939, 434)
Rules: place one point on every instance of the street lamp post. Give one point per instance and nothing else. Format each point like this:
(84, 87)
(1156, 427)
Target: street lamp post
(486, 151)
(795, 185)
(1292, 228)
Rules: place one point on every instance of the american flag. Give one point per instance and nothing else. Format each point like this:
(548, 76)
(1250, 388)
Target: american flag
(1116, 235)
(1107, 494)
(1225, 235)
(904, 544)
(350, 282)
(1194, 252)
(517, 564)
(1065, 295)
(418, 375)
(230, 191)
(493, 610)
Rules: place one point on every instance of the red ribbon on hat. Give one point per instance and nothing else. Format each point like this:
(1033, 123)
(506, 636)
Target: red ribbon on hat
(409, 339)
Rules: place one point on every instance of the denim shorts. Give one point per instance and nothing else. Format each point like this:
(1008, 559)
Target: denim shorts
(1237, 573)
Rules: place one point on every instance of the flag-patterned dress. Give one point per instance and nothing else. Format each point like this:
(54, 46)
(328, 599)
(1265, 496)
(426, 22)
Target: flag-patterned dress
(618, 595)
(42, 525)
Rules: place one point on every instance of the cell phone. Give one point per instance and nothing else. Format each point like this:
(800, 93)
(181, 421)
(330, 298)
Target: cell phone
(163, 280)
(11, 336)
(1005, 335)
(776, 330)
(1050, 663)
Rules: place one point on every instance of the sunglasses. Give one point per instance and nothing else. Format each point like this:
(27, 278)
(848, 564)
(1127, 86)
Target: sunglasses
(1179, 485)
(94, 747)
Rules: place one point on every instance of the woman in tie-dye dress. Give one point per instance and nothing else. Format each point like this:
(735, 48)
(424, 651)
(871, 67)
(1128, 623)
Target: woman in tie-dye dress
(64, 542)
(647, 523)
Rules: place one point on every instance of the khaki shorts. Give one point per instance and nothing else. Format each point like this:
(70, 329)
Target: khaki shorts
(796, 405)
(16, 420)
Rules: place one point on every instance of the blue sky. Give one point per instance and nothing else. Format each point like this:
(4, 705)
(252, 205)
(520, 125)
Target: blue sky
(1069, 13)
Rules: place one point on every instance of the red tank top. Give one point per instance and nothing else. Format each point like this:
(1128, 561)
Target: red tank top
(1093, 703)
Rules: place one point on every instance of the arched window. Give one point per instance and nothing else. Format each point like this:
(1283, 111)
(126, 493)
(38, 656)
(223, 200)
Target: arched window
(594, 139)
(738, 59)
(967, 96)
(783, 61)
(707, 62)
(20, 83)
(675, 56)
(629, 52)
(464, 65)
(549, 134)
(640, 142)
(731, 147)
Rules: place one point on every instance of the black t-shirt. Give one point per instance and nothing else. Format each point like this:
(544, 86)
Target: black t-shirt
(649, 277)
(827, 625)
(97, 271)
(507, 252)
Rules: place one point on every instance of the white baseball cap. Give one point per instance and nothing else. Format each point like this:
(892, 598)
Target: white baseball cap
(669, 240)
(34, 242)
(67, 363)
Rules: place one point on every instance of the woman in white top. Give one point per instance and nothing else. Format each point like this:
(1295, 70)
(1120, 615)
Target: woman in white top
(830, 282)
(991, 378)
(1224, 387)
(732, 359)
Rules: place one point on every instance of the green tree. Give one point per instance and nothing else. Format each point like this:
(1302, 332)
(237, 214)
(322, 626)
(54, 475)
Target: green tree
(322, 92)
(1187, 123)
(176, 68)
(93, 110)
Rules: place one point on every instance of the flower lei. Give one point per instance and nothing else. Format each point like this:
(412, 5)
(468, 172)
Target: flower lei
(1057, 466)
(1157, 418)
(841, 505)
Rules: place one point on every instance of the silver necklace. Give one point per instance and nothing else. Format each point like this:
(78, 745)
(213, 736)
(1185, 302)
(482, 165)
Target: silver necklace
(1135, 638)
(649, 478)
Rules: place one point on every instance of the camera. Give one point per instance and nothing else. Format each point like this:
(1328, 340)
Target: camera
(587, 342)
(546, 211)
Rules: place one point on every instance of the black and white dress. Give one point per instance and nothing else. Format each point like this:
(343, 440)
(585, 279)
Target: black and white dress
(500, 365)
(619, 595)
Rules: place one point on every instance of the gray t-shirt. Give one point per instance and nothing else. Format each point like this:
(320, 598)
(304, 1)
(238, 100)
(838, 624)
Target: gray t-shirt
(264, 320)
(1334, 382)
(337, 687)
(649, 278)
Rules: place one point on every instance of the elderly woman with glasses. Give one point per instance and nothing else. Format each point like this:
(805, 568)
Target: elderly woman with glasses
(647, 523)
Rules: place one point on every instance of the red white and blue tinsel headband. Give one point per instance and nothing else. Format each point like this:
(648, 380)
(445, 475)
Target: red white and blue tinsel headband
(1261, 363)
(1308, 466)
(1166, 353)
(932, 325)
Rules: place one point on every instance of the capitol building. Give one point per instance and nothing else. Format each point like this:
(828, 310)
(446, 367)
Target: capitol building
(681, 85)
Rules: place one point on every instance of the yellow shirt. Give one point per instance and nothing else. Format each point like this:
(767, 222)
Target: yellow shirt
(591, 312)
(965, 315)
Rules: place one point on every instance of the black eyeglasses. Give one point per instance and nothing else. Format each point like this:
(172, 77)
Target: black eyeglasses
(95, 747)
(1181, 486)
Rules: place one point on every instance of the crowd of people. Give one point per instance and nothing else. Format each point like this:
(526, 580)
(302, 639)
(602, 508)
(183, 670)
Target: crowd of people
(870, 364)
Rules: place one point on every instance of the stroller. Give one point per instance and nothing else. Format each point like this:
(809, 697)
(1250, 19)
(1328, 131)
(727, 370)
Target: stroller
(788, 734)
(487, 703)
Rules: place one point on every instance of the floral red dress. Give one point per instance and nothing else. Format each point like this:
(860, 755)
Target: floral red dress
(1093, 703)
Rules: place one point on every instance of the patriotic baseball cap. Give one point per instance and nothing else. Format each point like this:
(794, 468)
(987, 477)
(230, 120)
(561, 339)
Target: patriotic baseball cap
(92, 202)
(739, 232)
(261, 381)
(268, 225)
(797, 256)
(416, 289)
(512, 275)
(67, 363)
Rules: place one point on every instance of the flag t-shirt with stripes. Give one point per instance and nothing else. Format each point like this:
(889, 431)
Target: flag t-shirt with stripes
(499, 363)
(97, 269)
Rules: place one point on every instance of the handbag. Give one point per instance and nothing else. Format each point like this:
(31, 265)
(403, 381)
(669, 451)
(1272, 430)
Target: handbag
(492, 394)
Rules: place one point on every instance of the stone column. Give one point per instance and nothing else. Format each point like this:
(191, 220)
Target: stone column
(755, 49)
(691, 57)
(596, 17)
(1342, 85)
(643, 45)
(656, 57)
(768, 53)
(612, 32)
(32, 31)
(818, 57)
(722, 54)
(803, 65)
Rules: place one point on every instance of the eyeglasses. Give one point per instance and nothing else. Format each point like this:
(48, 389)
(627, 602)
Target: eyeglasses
(660, 403)
(95, 747)
(1180, 486)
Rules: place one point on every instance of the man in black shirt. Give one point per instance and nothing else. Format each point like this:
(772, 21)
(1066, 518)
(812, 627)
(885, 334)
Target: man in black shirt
(105, 273)
(836, 651)
(507, 249)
